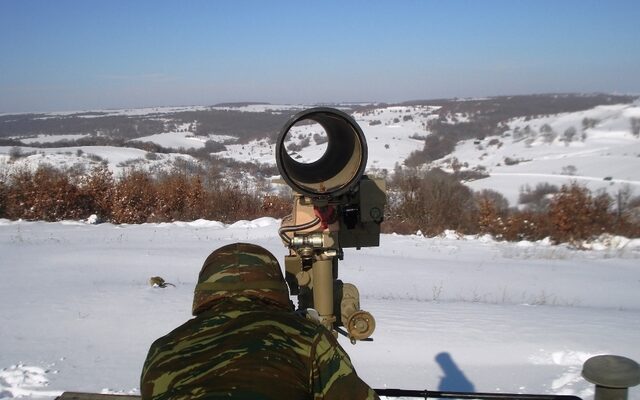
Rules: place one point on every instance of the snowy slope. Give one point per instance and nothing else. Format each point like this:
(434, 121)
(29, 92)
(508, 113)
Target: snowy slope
(51, 138)
(116, 158)
(608, 150)
(184, 140)
(77, 313)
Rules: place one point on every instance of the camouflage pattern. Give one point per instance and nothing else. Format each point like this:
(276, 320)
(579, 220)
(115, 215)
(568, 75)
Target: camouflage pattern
(247, 343)
(240, 269)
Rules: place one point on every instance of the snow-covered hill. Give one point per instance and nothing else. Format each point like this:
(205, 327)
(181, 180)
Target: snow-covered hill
(392, 133)
(77, 312)
(597, 147)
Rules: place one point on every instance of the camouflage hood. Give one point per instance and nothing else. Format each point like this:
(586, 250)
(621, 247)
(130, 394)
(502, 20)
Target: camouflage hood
(240, 270)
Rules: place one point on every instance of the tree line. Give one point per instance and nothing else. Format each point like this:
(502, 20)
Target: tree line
(429, 202)
(434, 201)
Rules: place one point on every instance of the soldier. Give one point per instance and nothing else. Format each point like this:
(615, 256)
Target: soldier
(246, 342)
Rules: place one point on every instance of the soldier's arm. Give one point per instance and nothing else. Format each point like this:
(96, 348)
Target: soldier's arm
(333, 375)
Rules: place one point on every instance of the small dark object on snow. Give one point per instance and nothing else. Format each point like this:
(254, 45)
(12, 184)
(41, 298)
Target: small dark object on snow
(156, 281)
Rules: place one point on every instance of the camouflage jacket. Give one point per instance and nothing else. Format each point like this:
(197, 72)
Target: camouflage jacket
(245, 349)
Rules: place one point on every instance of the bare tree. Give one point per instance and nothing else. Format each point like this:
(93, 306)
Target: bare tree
(635, 127)
(568, 135)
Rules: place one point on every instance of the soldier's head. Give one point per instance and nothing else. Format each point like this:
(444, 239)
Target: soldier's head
(241, 270)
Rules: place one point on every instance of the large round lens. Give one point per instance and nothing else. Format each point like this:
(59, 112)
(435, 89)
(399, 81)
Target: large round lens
(331, 172)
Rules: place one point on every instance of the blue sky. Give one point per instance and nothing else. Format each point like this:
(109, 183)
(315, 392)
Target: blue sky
(86, 54)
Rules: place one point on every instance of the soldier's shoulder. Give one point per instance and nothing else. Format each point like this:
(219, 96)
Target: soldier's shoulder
(288, 320)
(255, 320)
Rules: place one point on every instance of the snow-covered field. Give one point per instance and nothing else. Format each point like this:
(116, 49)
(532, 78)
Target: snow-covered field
(452, 312)
(185, 140)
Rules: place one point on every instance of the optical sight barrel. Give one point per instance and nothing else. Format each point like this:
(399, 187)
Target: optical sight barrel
(340, 167)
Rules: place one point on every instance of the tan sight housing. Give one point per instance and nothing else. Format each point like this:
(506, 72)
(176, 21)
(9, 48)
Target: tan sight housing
(335, 206)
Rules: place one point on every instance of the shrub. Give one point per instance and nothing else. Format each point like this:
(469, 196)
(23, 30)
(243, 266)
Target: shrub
(46, 194)
(427, 201)
(17, 152)
(492, 210)
(179, 198)
(635, 127)
(525, 134)
(569, 170)
(588, 123)
(98, 190)
(230, 203)
(96, 158)
(431, 202)
(212, 146)
(488, 216)
(547, 133)
(496, 198)
(511, 161)
(294, 147)
(479, 172)
(537, 199)
(134, 198)
(634, 202)
(435, 147)
(320, 139)
(568, 135)
(185, 193)
(575, 215)
(276, 206)
(526, 225)
(131, 162)
(3, 199)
